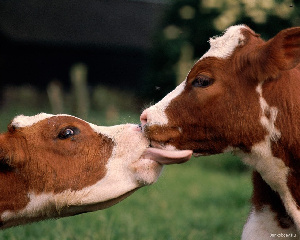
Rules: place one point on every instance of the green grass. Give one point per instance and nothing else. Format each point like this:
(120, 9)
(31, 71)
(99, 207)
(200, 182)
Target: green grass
(190, 201)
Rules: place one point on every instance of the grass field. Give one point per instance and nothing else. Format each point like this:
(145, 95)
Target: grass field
(204, 199)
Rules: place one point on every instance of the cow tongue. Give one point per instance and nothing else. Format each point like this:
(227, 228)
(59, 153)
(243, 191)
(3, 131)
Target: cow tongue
(166, 157)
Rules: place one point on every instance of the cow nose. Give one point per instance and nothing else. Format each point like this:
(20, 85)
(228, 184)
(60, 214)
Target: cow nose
(143, 118)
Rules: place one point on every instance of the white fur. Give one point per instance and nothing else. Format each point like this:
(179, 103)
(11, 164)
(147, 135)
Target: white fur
(223, 47)
(262, 225)
(269, 124)
(26, 121)
(156, 113)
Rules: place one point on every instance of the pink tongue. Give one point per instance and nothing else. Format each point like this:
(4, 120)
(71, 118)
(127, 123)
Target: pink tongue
(167, 157)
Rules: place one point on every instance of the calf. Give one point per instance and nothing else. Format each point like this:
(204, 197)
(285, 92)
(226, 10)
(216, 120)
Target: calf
(54, 166)
(243, 96)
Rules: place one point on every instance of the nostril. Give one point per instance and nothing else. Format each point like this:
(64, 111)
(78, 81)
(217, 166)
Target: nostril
(143, 118)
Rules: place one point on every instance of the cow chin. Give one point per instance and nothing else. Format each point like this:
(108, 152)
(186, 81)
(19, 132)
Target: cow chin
(76, 210)
(146, 171)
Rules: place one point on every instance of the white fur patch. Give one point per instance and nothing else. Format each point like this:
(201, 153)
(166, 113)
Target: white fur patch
(156, 113)
(26, 121)
(223, 46)
(263, 225)
(268, 122)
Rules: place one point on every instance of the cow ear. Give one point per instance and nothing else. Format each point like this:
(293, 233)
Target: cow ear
(278, 54)
(284, 48)
(269, 59)
(4, 151)
(12, 150)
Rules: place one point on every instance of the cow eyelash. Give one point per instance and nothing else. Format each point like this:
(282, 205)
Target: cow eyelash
(202, 81)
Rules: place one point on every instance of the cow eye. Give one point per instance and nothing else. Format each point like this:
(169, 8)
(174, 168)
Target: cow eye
(67, 133)
(202, 81)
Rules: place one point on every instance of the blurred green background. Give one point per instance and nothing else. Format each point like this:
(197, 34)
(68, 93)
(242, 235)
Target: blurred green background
(205, 198)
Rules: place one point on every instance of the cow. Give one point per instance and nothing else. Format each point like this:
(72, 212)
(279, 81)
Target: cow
(54, 166)
(243, 96)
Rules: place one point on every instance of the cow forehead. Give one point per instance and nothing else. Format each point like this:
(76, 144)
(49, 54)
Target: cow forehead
(223, 46)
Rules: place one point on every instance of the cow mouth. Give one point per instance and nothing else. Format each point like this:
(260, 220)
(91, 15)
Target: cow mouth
(159, 142)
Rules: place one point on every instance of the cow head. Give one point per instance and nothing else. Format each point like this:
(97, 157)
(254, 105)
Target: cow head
(220, 103)
(58, 165)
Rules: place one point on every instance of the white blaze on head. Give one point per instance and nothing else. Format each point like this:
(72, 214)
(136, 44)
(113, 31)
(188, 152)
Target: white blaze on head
(156, 113)
(223, 46)
(26, 121)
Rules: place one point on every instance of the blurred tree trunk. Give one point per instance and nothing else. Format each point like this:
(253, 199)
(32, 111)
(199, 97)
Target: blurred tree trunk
(55, 95)
(78, 76)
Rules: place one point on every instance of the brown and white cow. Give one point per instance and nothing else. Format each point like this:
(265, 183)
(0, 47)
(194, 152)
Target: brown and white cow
(243, 95)
(54, 166)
